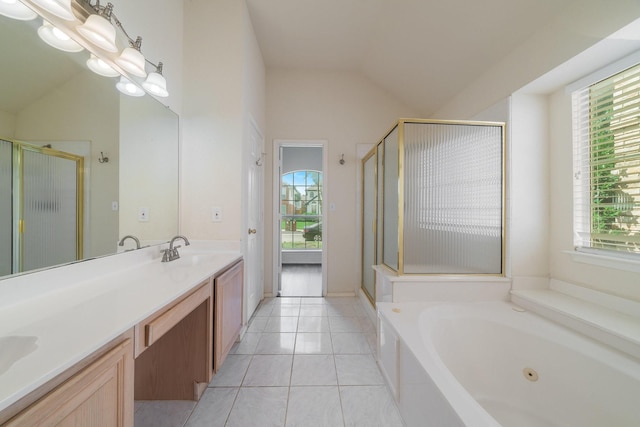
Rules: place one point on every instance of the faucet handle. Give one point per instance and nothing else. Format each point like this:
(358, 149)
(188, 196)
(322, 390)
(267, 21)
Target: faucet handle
(166, 255)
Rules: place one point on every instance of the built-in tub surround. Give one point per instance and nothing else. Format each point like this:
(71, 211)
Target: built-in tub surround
(392, 287)
(494, 363)
(70, 312)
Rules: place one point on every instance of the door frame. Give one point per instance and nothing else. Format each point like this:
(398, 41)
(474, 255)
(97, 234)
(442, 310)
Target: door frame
(276, 250)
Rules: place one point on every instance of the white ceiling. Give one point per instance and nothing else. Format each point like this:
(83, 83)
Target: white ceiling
(422, 51)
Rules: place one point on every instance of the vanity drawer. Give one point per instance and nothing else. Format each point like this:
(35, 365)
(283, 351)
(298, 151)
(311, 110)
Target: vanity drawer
(153, 328)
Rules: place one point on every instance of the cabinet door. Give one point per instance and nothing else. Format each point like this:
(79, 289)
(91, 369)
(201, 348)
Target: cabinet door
(99, 395)
(228, 311)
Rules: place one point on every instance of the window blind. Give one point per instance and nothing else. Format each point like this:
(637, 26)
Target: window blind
(606, 131)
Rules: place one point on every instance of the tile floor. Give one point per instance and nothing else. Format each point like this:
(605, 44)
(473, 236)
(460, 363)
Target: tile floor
(303, 362)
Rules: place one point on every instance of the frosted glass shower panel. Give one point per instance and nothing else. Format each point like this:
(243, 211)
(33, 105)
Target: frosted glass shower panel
(6, 206)
(452, 198)
(49, 210)
(390, 209)
(368, 225)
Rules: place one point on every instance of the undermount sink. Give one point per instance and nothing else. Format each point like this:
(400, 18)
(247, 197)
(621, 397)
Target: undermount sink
(14, 348)
(194, 258)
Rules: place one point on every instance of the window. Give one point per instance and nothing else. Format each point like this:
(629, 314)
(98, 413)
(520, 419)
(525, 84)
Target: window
(606, 132)
(300, 205)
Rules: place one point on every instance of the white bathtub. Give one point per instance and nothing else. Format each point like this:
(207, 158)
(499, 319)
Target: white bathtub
(491, 364)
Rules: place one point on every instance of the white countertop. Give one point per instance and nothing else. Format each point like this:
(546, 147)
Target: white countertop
(51, 320)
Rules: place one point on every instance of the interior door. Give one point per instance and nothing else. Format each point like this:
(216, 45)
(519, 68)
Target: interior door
(255, 222)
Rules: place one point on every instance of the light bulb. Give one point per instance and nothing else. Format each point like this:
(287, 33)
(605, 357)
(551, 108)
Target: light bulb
(59, 8)
(16, 10)
(128, 88)
(98, 66)
(132, 61)
(99, 31)
(156, 84)
(55, 37)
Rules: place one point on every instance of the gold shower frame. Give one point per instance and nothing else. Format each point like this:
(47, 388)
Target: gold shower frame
(400, 179)
(18, 222)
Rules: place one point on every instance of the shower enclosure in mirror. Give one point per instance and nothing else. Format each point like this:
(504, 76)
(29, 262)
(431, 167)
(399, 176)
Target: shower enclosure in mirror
(369, 257)
(45, 206)
(438, 194)
(50, 98)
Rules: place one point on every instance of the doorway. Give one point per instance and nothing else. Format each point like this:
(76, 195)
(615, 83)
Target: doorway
(300, 220)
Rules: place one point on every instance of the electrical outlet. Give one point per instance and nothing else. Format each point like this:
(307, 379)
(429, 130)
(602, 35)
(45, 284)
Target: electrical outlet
(143, 214)
(216, 214)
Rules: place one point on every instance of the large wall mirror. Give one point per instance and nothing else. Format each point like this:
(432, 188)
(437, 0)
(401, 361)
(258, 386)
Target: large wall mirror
(51, 103)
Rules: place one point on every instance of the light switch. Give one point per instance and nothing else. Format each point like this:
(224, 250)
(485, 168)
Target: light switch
(114, 205)
(143, 214)
(216, 214)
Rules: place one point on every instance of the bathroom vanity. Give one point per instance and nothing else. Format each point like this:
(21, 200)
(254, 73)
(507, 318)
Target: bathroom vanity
(80, 352)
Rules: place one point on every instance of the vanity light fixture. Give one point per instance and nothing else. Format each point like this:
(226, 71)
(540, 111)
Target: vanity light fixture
(98, 29)
(14, 9)
(59, 8)
(155, 83)
(131, 59)
(100, 67)
(55, 37)
(129, 88)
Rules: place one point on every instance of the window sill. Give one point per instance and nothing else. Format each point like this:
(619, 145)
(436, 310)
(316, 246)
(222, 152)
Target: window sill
(601, 260)
(605, 318)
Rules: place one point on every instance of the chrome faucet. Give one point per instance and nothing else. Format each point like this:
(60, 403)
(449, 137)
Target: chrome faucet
(172, 253)
(128, 236)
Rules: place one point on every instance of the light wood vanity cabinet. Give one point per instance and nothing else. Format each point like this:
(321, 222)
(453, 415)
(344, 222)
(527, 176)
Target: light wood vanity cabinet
(228, 288)
(99, 394)
(171, 355)
(174, 348)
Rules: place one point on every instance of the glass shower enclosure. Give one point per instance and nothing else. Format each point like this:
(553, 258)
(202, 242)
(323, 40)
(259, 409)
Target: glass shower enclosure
(433, 200)
(42, 209)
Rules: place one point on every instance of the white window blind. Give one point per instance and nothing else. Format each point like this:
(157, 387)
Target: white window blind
(606, 131)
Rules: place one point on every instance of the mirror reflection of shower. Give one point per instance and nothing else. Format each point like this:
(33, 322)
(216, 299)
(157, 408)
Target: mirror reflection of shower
(301, 242)
(45, 215)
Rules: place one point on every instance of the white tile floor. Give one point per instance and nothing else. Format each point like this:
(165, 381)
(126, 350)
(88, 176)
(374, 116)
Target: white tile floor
(303, 362)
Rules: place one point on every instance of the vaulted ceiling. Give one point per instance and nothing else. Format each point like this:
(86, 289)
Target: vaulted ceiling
(422, 51)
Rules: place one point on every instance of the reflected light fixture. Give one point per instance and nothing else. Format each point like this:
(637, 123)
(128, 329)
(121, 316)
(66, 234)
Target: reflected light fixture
(55, 37)
(99, 31)
(98, 66)
(128, 88)
(59, 8)
(155, 83)
(131, 59)
(14, 9)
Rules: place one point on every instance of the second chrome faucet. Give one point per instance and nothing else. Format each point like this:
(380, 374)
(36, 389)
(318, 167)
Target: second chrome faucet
(172, 253)
(129, 236)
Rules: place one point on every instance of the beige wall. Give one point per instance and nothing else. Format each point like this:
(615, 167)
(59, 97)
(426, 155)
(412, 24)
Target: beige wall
(148, 169)
(578, 26)
(7, 125)
(345, 109)
(224, 86)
